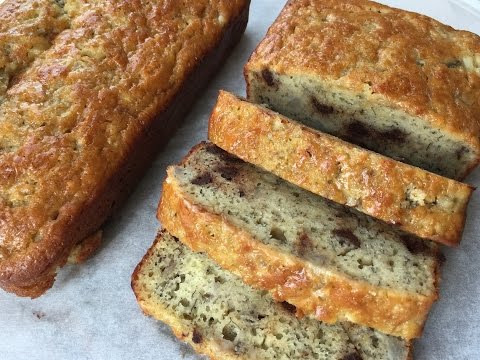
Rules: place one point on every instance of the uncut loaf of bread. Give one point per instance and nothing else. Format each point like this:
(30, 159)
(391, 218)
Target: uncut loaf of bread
(215, 312)
(417, 201)
(90, 91)
(396, 82)
(328, 260)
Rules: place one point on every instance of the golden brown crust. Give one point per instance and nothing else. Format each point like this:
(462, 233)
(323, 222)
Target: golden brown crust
(83, 250)
(287, 277)
(27, 29)
(79, 254)
(121, 98)
(393, 57)
(36, 289)
(422, 203)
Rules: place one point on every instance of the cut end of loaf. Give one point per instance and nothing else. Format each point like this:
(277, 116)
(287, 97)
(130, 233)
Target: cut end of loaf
(386, 130)
(393, 81)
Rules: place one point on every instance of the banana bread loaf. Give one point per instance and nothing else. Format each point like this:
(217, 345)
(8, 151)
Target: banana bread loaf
(396, 82)
(417, 201)
(220, 316)
(85, 111)
(328, 260)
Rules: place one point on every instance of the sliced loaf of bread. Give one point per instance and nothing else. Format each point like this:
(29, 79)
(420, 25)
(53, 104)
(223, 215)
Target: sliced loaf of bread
(326, 259)
(393, 81)
(215, 312)
(417, 201)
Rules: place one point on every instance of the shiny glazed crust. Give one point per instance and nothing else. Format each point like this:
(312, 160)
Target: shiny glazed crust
(388, 57)
(124, 89)
(419, 202)
(286, 276)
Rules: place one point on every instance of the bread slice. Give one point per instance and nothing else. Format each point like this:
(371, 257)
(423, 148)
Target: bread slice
(396, 82)
(82, 120)
(326, 259)
(215, 312)
(419, 202)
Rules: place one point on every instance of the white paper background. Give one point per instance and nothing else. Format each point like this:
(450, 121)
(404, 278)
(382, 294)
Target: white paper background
(91, 312)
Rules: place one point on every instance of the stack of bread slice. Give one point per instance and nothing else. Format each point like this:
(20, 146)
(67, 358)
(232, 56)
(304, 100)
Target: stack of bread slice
(222, 317)
(283, 241)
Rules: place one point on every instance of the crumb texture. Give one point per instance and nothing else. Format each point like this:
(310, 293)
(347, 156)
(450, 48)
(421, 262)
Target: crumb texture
(80, 82)
(375, 345)
(297, 222)
(219, 315)
(27, 29)
(393, 80)
(328, 260)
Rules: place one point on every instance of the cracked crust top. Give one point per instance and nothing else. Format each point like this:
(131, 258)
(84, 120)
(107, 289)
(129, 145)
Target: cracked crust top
(393, 57)
(72, 115)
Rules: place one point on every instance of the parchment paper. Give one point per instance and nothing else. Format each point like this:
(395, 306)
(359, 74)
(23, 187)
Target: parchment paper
(91, 312)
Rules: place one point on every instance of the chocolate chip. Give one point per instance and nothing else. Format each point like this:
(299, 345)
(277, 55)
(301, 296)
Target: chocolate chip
(269, 78)
(415, 245)
(321, 108)
(227, 172)
(197, 336)
(304, 244)
(356, 129)
(241, 193)
(394, 135)
(203, 179)
(347, 237)
(358, 133)
(289, 307)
